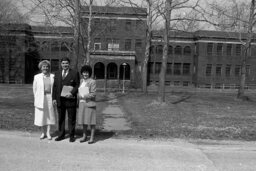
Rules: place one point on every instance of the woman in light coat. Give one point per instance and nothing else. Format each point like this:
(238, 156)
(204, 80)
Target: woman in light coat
(42, 89)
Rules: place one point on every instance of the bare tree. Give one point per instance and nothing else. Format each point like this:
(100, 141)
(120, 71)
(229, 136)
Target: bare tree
(10, 13)
(170, 11)
(234, 16)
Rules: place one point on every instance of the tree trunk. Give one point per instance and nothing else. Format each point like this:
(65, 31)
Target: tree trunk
(147, 51)
(76, 33)
(89, 30)
(246, 50)
(165, 53)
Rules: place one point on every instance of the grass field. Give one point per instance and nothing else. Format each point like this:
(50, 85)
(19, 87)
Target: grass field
(17, 108)
(205, 115)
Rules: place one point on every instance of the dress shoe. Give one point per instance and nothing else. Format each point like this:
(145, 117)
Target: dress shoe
(59, 138)
(91, 142)
(72, 139)
(42, 136)
(49, 137)
(83, 139)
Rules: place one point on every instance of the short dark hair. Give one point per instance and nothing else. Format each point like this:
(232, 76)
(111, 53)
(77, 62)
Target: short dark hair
(65, 59)
(86, 68)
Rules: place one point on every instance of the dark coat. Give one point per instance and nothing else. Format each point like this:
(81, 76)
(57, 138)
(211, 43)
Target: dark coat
(72, 79)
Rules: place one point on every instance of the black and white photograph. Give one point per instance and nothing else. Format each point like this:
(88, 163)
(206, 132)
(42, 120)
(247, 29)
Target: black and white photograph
(127, 85)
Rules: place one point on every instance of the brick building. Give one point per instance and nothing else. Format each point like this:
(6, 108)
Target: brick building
(18, 54)
(210, 59)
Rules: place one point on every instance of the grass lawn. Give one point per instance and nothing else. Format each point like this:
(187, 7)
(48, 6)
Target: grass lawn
(17, 108)
(205, 115)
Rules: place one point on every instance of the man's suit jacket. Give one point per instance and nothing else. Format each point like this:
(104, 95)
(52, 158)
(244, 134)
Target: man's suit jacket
(38, 89)
(72, 79)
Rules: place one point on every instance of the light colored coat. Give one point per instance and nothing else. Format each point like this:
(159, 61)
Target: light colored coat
(38, 89)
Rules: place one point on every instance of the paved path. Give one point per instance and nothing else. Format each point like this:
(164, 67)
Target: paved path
(24, 151)
(114, 117)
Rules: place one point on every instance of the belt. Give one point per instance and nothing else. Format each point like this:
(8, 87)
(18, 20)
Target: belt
(45, 93)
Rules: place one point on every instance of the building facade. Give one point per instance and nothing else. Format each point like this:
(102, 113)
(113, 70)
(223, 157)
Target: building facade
(209, 59)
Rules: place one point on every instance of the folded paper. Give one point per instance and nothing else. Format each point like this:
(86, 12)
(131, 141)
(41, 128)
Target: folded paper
(66, 90)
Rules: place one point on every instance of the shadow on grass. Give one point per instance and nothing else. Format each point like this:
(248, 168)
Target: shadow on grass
(182, 99)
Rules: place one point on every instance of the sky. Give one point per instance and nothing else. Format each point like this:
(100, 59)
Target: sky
(36, 18)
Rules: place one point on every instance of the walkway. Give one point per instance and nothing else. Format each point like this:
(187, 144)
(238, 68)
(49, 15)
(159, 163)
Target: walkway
(114, 117)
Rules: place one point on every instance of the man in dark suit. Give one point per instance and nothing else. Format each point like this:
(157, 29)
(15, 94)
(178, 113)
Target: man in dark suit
(68, 102)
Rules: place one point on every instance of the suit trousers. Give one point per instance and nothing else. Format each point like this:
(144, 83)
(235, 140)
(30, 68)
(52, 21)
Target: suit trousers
(71, 111)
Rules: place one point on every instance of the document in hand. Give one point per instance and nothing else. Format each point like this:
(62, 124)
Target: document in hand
(66, 90)
(83, 91)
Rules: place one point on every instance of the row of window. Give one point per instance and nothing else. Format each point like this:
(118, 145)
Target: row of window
(220, 49)
(177, 50)
(113, 24)
(54, 46)
(114, 44)
(172, 68)
(227, 70)
(175, 83)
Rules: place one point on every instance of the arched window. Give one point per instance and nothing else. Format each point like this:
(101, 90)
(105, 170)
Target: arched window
(112, 71)
(99, 70)
(64, 46)
(170, 50)
(152, 49)
(45, 46)
(55, 46)
(124, 71)
(177, 50)
(187, 50)
(159, 49)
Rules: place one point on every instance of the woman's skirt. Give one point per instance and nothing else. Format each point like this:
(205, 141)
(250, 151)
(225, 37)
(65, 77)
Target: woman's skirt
(45, 116)
(86, 115)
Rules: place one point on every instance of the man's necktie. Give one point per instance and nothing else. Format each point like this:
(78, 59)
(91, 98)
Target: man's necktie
(64, 74)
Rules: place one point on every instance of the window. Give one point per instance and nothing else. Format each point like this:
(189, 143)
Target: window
(176, 83)
(185, 83)
(112, 44)
(169, 69)
(170, 50)
(237, 70)
(208, 71)
(210, 49)
(138, 44)
(97, 44)
(177, 69)
(177, 50)
(64, 46)
(247, 70)
(187, 50)
(229, 49)
(186, 68)
(219, 49)
(96, 22)
(152, 49)
(238, 50)
(158, 67)
(218, 69)
(128, 25)
(159, 49)
(54, 65)
(151, 67)
(228, 70)
(112, 25)
(55, 46)
(128, 44)
(139, 24)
